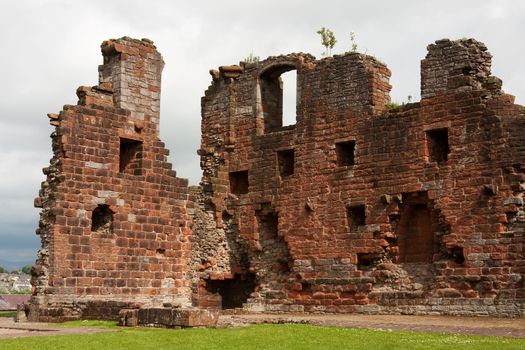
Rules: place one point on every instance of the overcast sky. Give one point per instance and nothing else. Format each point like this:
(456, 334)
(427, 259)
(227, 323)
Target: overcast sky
(49, 48)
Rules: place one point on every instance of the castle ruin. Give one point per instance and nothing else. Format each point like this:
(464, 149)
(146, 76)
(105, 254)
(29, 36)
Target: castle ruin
(355, 208)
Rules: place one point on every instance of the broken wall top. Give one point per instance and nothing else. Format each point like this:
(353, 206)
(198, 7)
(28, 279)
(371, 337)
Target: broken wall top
(115, 219)
(129, 79)
(460, 65)
(449, 66)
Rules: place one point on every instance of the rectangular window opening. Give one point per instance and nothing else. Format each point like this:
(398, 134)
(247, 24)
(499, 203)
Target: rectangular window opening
(437, 145)
(345, 152)
(355, 216)
(289, 88)
(277, 102)
(239, 182)
(130, 157)
(286, 160)
(366, 261)
(102, 220)
(231, 293)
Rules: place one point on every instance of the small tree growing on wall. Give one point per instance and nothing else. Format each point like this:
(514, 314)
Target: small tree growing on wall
(251, 58)
(353, 41)
(328, 40)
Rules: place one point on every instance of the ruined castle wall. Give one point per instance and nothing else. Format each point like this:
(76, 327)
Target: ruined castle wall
(355, 208)
(114, 224)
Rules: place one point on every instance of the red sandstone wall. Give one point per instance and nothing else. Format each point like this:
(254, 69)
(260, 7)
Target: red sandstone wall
(353, 209)
(440, 234)
(108, 155)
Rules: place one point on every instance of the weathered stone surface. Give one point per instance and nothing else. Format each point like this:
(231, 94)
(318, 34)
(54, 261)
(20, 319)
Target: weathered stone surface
(355, 208)
(114, 223)
(376, 211)
(169, 317)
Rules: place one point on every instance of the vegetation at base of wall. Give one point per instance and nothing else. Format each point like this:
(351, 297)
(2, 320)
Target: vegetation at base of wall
(2, 270)
(93, 324)
(21, 291)
(284, 336)
(7, 313)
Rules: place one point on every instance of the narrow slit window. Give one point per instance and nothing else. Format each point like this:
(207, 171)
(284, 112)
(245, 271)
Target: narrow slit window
(345, 152)
(437, 145)
(130, 157)
(289, 88)
(239, 182)
(286, 160)
(355, 216)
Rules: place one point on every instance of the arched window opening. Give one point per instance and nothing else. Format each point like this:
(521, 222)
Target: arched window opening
(278, 97)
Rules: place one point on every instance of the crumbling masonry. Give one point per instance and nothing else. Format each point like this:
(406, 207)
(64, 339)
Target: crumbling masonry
(355, 208)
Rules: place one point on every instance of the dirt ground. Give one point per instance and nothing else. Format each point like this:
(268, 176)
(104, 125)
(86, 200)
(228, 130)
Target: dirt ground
(501, 327)
(10, 329)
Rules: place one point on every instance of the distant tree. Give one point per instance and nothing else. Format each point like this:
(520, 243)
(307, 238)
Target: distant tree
(2, 270)
(27, 269)
(328, 40)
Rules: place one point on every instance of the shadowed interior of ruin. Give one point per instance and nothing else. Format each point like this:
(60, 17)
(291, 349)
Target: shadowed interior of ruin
(271, 97)
(130, 156)
(233, 292)
(102, 220)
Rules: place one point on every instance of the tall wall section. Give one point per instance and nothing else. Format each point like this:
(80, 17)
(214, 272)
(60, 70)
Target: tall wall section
(114, 224)
(356, 208)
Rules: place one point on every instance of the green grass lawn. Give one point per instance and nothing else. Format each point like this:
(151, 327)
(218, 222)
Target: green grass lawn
(7, 313)
(301, 337)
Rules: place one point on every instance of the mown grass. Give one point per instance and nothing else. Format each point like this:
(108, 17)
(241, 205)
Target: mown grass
(303, 337)
(7, 313)
(92, 324)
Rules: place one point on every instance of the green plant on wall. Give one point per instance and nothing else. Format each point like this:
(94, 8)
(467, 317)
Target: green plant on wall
(328, 40)
(353, 41)
(251, 58)
(392, 106)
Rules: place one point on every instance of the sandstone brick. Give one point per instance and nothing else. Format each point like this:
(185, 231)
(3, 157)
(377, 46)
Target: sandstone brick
(419, 182)
(354, 208)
